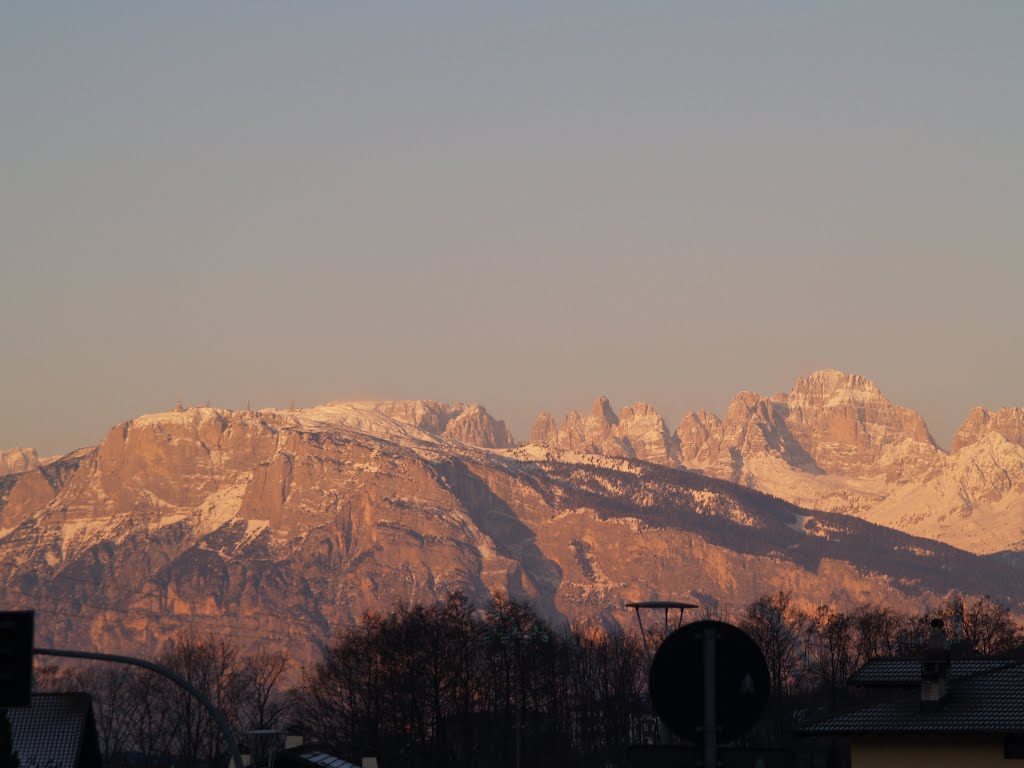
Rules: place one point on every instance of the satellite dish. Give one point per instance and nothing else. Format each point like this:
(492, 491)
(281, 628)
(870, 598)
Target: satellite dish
(738, 676)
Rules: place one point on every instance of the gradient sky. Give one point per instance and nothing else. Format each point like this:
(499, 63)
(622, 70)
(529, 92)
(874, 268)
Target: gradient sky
(520, 204)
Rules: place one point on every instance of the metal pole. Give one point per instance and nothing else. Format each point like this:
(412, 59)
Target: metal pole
(710, 726)
(174, 677)
(639, 621)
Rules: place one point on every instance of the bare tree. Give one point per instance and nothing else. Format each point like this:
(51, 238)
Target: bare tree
(155, 720)
(834, 652)
(777, 626)
(211, 665)
(984, 626)
(876, 629)
(115, 706)
(261, 705)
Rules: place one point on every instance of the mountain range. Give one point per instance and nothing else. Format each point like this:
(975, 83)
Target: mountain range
(274, 526)
(833, 443)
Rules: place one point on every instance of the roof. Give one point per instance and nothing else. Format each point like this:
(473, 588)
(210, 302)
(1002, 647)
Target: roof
(325, 759)
(990, 701)
(310, 755)
(56, 731)
(906, 673)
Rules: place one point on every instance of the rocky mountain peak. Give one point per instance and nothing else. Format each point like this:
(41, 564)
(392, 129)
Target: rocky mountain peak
(473, 425)
(643, 429)
(846, 424)
(545, 431)
(830, 386)
(600, 422)
(1008, 422)
(468, 423)
(18, 460)
(700, 437)
(638, 431)
(744, 400)
(602, 412)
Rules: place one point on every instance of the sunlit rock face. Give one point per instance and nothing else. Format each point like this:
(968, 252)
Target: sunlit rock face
(836, 443)
(976, 497)
(830, 423)
(470, 424)
(846, 425)
(1007, 422)
(637, 432)
(18, 460)
(272, 527)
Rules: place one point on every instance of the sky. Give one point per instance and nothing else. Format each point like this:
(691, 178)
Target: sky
(519, 204)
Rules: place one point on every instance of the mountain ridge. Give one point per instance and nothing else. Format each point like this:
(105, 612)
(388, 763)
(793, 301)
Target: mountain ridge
(284, 524)
(834, 442)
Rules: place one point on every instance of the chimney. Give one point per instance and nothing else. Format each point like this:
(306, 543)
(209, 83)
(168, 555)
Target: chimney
(935, 670)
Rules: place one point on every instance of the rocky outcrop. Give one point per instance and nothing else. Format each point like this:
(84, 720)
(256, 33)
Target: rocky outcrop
(579, 433)
(1008, 422)
(470, 424)
(474, 426)
(643, 431)
(700, 437)
(976, 500)
(544, 431)
(18, 460)
(416, 420)
(637, 432)
(830, 423)
(845, 424)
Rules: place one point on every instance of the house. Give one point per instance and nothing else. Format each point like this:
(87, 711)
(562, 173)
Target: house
(942, 712)
(58, 730)
(316, 756)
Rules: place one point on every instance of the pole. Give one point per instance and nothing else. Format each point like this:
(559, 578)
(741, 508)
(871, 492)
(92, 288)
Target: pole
(710, 726)
(174, 677)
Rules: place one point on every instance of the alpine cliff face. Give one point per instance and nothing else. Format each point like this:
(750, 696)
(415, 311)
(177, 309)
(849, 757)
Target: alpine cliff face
(836, 443)
(976, 500)
(637, 432)
(275, 526)
(1007, 422)
(470, 424)
(18, 460)
(831, 423)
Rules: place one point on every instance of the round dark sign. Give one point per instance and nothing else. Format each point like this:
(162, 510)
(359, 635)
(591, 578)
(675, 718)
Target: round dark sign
(740, 677)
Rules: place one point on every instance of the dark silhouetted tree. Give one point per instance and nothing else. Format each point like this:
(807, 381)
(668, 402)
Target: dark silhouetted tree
(983, 626)
(778, 627)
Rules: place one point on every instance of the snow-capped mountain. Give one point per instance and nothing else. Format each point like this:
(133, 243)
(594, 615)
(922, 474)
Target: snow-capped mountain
(274, 526)
(835, 443)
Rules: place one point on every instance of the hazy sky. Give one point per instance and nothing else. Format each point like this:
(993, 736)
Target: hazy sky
(520, 204)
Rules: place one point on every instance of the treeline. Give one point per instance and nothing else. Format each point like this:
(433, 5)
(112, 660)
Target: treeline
(451, 684)
(811, 654)
(144, 719)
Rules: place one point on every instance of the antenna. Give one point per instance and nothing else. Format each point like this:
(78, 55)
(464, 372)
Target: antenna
(659, 605)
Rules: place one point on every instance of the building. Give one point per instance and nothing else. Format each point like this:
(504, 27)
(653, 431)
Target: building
(941, 712)
(57, 731)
